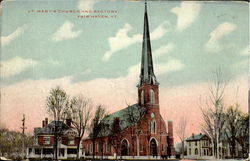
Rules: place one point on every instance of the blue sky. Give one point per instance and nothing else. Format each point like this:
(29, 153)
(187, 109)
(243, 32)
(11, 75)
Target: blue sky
(100, 57)
(208, 35)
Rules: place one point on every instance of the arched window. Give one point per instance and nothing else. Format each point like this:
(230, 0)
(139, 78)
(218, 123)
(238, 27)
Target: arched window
(152, 96)
(153, 126)
(196, 151)
(142, 97)
(124, 147)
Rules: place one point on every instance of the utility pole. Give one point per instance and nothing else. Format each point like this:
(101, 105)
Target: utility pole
(23, 133)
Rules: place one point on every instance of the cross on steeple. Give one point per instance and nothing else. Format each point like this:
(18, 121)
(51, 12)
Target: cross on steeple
(147, 75)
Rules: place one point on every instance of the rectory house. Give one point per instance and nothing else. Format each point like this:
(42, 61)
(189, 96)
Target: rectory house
(44, 141)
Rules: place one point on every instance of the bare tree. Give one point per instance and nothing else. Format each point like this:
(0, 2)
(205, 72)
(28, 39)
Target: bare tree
(97, 125)
(213, 111)
(57, 104)
(79, 111)
(181, 132)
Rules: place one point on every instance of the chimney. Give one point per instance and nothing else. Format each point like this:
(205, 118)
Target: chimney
(193, 135)
(46, 121)
(170, 128)
(43, 123)
(68, 122)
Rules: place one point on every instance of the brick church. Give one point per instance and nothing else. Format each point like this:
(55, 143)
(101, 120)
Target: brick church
(137, 130)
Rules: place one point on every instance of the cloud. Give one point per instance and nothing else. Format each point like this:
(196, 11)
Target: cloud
(159, 31)
(163, 50)
(219, 32)
(5, 40)
(65, 32)
(87, 71)
(245, 51)
(15, 66)
(86, 4)
(122, 40)
(170, 66)
(186, 14)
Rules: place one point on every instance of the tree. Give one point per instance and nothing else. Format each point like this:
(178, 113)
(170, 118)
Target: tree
(57, 104)
(213, 111)
(181, 132)
(133, 116)
(11, 141)
(232, 124)
(97, 125)
(115, 135)
(79, 111)
(243, 133)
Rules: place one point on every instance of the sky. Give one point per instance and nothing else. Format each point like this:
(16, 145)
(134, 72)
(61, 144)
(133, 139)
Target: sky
(100, 57)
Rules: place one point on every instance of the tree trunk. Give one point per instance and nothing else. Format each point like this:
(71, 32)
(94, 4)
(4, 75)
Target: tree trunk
(182, 148)
(78, 150)
(93, 149)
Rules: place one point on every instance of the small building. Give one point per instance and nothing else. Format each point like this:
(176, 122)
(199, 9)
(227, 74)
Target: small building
(199, 147)
(44, 141)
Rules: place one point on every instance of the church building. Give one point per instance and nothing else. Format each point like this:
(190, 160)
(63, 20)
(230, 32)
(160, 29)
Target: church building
(138, 130)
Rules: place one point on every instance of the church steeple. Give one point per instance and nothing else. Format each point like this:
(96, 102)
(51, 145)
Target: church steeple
(148, 92)
(147, 75)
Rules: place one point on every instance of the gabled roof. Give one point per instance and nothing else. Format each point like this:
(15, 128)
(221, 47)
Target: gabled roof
(134, 111)
(50, 128)
(196, 137)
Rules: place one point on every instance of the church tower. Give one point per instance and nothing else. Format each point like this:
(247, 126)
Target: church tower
(148, 93)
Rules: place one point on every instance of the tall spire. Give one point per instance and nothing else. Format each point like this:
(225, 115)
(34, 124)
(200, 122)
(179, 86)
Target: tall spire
(147, 70)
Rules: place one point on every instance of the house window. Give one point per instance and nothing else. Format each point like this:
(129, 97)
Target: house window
(30, 150)
(205, 152)
(190, 152)
(142, 97)
(152, 96)
(46, 140)
(189, 143)
(162, 147)
(71, 141)
(196, 151)
(195, 143)
(71, 151)
(61, 152)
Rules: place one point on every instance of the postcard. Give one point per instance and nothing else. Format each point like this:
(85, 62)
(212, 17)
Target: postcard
(114, 79)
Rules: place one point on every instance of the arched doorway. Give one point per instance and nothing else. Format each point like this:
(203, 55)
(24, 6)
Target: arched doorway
(153, 147)
(124, 147)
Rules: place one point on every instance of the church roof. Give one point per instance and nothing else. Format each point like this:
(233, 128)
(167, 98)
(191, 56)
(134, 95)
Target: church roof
(125, 115)
(147, 70)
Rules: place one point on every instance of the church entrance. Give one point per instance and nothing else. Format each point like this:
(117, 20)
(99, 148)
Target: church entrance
(124, 148)
(153, 148)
